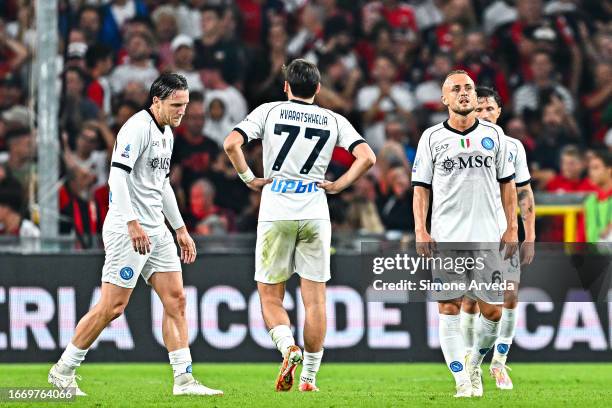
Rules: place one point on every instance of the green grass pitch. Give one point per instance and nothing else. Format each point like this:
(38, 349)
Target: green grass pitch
(342, 385)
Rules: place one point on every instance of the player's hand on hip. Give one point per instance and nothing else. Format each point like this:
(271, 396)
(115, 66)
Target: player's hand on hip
(258, 183)
(187, 245)
(330, 187)
(140, 240)
(425, 244)
(527, 252)
(509, 241)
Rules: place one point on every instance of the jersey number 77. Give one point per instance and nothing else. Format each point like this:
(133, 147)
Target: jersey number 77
(293, 132)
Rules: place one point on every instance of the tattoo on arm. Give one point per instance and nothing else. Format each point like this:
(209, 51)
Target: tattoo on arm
(525, 201)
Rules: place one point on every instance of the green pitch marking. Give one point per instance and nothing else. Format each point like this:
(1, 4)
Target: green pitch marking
(342, 385)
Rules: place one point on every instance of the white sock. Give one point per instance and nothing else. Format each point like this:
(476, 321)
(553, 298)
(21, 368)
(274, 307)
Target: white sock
(467, 329)
(486, 334)
(71, 359)
(180, 360)
(310, 367)
(507, 326)
(451, 343)
(282, 338)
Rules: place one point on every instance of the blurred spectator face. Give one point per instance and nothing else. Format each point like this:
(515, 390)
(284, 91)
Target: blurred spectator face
(211, 23)
(384, 70)
(475, 44)
(442, 65)
(211, 77)
(383, 40)
(194, 118)
(459, 94)
(603, 74)
(603, 42)
(364, 188)
(399, 181)
(311, 17)
(10, 94)
(599, 173)
(541, 66)
(74, 84)
(277, 37)
(571, 166)
(138, 48)
(136, 27)
(458, 36)
(201, 198)
(336, 71)
(21, 147)
(529, 10)
(76, 36)
(516, 128)
(488, 109)
(136, 92)
(123, 114)
(90, 24)
(553, 115)
(183, 56)
(216, 109)
(165, 27)
(394, 130)
(87, 141)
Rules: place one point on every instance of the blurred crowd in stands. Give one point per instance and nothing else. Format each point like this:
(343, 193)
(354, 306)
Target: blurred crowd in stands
(382, 63)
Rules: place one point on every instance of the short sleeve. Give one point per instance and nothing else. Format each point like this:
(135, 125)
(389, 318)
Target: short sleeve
(348, 137)
(504, 163)
(521, 166)
(131, 141)
(422, 168)
(252, 127)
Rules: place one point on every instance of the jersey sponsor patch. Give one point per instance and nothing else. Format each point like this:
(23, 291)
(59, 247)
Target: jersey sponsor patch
(293, 186)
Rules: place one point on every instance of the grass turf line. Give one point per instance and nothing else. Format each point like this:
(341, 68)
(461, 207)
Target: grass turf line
(342, 385)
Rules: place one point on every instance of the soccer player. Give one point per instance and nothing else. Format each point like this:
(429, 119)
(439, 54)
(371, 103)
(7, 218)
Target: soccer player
(489, 109)
(463, 162)
(137, 241)
(293, 230)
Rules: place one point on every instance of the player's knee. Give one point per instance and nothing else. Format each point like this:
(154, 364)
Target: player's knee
(176, 303)
(113, 310)
(511, 301)
(493, 313)
(469, 306)
(449, 308)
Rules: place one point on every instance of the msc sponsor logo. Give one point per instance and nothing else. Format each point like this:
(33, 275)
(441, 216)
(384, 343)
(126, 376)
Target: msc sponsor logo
(162, 163)
(469, 162)
(293, 186)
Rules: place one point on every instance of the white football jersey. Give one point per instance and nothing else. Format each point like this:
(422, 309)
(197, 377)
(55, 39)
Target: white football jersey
(516, 152)
(143, 149)
(463, 171)
(298, 140)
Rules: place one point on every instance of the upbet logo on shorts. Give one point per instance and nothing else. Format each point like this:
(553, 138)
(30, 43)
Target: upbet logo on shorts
(293, 186)
(126, 273)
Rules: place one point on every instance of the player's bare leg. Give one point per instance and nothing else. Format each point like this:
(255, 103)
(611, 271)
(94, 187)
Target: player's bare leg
(169, 288)
(315, 326)
(486, 334)
(112, 303)
(468, 315)
(507, 325)
(277, 320)
(451, 343)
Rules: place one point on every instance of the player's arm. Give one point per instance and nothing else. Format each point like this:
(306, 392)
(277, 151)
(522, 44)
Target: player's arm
(422, 179)
(420, 207)
(364, 160)
(131, 140)
(508, 197)
(173, 215)
(233, 148)
(526, 203)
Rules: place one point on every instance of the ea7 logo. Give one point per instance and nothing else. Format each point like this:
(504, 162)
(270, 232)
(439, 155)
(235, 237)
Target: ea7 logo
(441, 148)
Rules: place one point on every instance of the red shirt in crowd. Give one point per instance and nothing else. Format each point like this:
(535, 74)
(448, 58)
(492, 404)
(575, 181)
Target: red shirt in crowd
(560, 184)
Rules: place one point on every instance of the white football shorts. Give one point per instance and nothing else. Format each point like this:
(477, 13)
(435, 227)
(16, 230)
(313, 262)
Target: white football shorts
(285, 247)
(123, 265)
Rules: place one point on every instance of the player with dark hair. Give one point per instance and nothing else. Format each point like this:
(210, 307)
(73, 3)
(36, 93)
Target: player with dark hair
(137, 241)
(293, 230)
(489, 109)
(464, 163)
